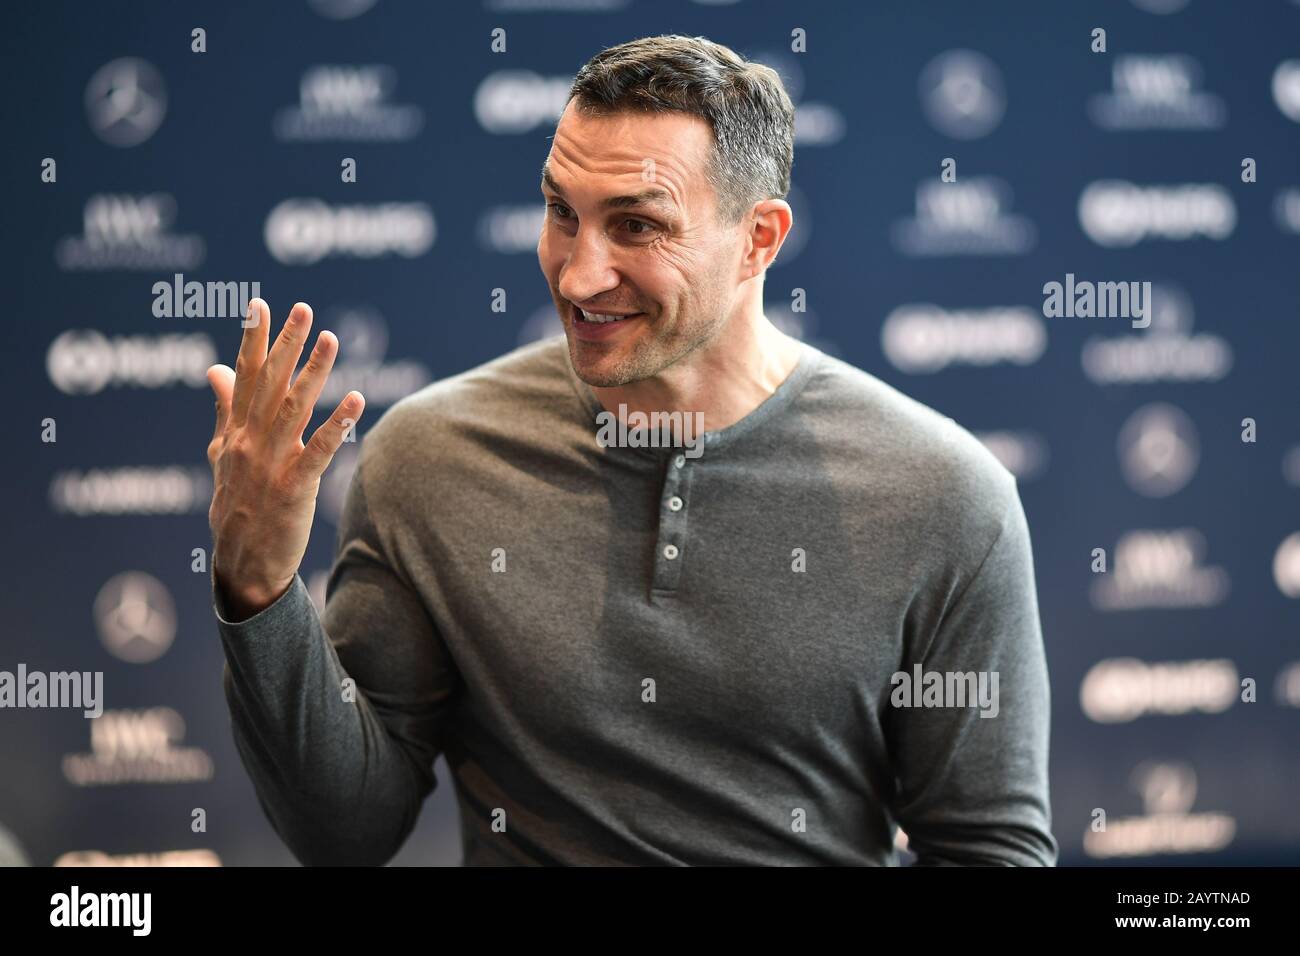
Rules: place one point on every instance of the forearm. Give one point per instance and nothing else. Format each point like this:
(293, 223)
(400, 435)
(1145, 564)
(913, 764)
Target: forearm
(336, 785)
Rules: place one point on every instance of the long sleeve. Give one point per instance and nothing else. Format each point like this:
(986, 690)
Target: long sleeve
(973, 789)
(340, 771)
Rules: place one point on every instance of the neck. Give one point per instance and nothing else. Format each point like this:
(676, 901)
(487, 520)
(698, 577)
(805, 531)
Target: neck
(726, 379)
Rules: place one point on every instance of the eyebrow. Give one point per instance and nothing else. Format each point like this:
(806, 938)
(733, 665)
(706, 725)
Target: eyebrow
(650, 198)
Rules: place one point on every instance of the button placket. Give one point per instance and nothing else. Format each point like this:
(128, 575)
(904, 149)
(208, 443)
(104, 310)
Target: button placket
(671, 542)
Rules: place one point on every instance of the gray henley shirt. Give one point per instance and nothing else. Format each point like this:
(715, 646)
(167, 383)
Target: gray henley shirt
(505, 594)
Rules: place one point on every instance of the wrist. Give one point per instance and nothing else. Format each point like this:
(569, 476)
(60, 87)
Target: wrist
(243, 601)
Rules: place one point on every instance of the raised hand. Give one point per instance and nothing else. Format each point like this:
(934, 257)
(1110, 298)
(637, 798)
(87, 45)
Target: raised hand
(265, 480)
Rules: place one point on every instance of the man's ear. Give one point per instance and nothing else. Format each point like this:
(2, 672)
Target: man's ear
(766, 226)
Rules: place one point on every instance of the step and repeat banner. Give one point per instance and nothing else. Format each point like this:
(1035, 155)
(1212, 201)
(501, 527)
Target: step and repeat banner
(1074, 227)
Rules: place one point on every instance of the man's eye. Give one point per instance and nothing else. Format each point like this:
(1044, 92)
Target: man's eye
(636, 227)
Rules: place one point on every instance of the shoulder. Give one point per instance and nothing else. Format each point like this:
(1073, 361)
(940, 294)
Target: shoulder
(501, 393)
(527, 373)
(455, 431)
(915, 458)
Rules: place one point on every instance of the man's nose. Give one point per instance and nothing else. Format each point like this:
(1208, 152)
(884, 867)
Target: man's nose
(588, 269)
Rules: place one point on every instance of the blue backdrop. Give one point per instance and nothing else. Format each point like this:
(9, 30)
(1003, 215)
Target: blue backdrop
(138, 149)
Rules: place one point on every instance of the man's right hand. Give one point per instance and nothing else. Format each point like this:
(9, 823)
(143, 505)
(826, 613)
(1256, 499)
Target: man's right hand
(265, 480)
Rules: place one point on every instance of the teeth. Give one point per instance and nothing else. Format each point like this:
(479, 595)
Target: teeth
(600, 319)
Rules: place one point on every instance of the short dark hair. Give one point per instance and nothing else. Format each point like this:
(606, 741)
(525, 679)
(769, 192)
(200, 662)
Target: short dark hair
(744, 102)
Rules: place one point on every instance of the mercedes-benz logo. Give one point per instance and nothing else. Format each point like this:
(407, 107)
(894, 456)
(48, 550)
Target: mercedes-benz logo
(1162, 7)
(341, 9)
(1158, 450)
(136, 617)
(962, 94)
(126, 101)
(1166, 787)
(362, 334)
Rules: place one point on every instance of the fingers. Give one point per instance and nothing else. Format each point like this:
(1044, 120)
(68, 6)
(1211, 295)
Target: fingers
(295, 411)
(222, 380)
(273, 380)
(325, 441)
(252, 353)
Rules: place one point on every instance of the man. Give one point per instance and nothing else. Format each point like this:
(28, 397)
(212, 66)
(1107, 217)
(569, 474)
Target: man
(637, 654)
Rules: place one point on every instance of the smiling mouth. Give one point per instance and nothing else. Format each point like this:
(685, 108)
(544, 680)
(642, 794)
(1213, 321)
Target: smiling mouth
(591, 319)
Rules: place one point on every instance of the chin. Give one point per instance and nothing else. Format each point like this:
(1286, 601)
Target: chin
(601, 374)
(598, 368)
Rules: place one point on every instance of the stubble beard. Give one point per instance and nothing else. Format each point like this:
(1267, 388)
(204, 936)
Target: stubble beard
(645, 360)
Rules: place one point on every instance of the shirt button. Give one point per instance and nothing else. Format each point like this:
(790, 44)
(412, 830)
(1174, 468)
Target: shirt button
(674, 503)
(670, 551)
(680, 461)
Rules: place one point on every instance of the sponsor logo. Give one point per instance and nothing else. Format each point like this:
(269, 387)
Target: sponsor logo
(964, 218)
(1117, 213)
(142, 490)
(1022, 453)
(341, 9)
(509, 102)
(126, 101)
(363, 344)
(1160, 6)
(136, 617)
(921, 338)
(1286, 210)
(1159, 569)
(1286, 565)
(1156, 92)
(1124, 689)
(1286, 89)
(962, 94)
(1168, 352)
(338, 103)
(85, 361)
(137, 746)
(1168, 791)
(304, 231)
(1158, 450)
(163, 858)
(129, 233)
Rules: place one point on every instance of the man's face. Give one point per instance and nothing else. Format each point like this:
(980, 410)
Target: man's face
(630, 229)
